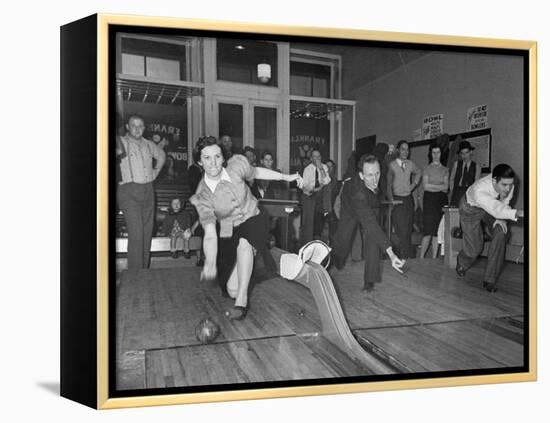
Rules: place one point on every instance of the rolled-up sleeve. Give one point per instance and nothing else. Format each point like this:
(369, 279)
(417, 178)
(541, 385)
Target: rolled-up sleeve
(157, 152)
(496, 208)
(239, 165)
(205, 208)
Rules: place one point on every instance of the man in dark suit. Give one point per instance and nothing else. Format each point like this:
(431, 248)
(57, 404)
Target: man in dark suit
(361, 206)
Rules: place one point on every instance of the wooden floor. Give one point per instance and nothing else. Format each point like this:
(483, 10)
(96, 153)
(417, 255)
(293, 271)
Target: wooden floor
(427, 320)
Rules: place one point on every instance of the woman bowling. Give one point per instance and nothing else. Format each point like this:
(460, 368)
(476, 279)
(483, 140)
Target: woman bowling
(223, 196)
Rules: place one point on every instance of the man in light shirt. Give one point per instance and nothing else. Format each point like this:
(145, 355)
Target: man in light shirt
(135, 192)
(403, 178)
(488, 201)
(316, 176)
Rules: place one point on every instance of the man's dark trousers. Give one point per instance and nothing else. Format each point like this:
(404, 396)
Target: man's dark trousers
(137, 202)
(402, 219)
(310, 206)
(343, 242)
(471, 219)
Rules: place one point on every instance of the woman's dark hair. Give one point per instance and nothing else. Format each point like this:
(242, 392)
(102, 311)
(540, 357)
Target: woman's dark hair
(432, 147)
(206, 142)
(366, 158)
(265, 153)
(502, 170)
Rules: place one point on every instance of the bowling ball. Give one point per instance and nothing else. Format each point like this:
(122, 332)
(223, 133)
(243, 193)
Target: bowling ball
(456, 232)
(207, 331)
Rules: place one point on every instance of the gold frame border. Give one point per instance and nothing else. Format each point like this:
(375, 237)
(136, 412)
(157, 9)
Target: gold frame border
(103, 21)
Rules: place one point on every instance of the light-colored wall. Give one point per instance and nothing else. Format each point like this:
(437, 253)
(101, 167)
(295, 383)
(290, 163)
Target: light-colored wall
(393, 106)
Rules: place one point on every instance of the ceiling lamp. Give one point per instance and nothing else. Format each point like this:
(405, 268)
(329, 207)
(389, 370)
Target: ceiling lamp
(264, 72)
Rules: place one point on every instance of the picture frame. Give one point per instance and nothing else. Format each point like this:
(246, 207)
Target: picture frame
(90, 290)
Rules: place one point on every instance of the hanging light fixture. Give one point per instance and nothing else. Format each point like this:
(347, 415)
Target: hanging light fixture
(264, 72)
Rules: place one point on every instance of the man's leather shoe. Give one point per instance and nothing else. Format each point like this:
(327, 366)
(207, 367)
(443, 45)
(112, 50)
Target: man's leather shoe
(460, 270)
(337, 262)
(368, 287)
(491, 287)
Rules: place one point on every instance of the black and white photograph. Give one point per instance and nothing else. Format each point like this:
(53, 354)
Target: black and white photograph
(299, 211)
(281, 212)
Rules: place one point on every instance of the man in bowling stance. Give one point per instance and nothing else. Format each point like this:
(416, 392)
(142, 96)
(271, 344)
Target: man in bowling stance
(487, 201)
(360, 201)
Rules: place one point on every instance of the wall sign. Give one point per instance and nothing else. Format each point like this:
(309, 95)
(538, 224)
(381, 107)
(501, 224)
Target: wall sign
(432, 126)
(477, 117)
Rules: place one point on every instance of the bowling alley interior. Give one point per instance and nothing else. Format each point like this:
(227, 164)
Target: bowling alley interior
(316, 320)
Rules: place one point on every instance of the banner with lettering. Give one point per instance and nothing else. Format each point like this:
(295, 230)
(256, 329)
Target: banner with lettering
(307, 135)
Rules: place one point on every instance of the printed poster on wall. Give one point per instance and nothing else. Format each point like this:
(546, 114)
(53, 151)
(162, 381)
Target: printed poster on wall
(432, 126)
(477, 117)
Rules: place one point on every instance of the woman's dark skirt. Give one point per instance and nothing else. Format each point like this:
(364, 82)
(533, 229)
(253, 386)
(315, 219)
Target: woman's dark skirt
(256, 231)
(432, 211)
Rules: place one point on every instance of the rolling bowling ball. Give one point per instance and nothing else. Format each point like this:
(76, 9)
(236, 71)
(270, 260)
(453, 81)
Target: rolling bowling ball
(207, 331)
(456, 232)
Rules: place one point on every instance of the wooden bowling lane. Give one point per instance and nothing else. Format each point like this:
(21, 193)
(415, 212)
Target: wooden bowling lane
(159, 310)
(432, 320)
(459, 345)
(407, 324)
(258, 360)
(429, 292)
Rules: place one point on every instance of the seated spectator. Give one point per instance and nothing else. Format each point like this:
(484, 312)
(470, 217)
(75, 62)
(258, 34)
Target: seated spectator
(177, 225)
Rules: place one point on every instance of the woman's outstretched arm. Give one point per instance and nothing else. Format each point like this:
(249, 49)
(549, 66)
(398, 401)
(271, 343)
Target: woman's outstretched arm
(271, 175)
(210, 247)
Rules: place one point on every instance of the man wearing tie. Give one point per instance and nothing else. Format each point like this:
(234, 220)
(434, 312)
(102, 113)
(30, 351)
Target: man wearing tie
(361, 206)
(464, 173)
(315, 177)
(403, 178)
